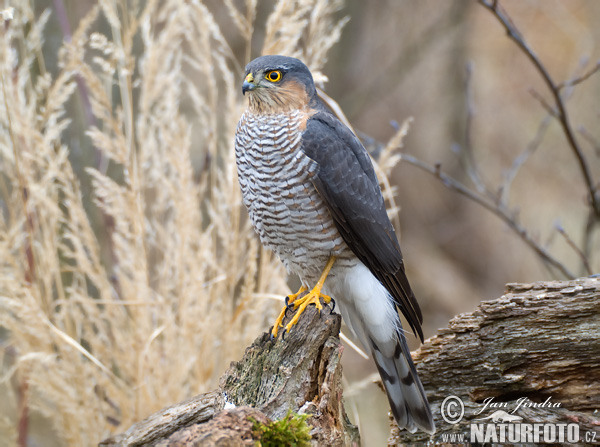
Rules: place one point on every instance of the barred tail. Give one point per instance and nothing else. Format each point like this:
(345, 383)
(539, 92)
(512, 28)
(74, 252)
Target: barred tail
(404, 390)
(371, 313)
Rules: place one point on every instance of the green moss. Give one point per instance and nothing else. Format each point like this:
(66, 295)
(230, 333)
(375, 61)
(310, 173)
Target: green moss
(291, 431)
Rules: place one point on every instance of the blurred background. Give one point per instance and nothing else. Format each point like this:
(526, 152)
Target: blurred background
(452, 68)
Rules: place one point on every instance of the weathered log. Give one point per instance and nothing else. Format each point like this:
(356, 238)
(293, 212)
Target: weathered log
(538, 343)
(302, 373)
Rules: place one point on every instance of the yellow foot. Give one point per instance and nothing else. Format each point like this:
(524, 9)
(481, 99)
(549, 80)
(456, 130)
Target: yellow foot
(291, 298)
(288, 302)
(313, 297)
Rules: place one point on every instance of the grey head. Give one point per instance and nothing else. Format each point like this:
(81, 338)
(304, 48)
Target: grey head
(279, 82)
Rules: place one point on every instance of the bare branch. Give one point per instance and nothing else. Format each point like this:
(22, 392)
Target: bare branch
(583, 77)
(497, 209)
(534, 144)
(538, 97)
(516, 36)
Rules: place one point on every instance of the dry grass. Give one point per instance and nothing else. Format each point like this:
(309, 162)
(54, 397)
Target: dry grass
(137, 290)
(108, 323)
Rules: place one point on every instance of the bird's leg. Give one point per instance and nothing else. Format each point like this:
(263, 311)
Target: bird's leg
(312, 297)
(289, 301)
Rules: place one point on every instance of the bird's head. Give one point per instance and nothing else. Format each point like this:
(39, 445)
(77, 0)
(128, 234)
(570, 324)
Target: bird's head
(278, 84)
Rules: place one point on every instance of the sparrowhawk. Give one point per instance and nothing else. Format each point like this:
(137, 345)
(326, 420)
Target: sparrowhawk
(313, 198)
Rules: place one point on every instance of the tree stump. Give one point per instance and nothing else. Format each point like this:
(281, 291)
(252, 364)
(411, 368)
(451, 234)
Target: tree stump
(302, 373)
(539, 343)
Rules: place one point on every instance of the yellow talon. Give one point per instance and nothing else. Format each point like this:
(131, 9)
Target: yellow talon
(313, 297)
(291, 299)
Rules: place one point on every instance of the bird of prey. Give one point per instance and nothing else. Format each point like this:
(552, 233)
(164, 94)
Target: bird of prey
(313, 198)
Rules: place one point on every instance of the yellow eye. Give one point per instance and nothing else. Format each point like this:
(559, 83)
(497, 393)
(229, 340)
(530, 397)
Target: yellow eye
(274, 76)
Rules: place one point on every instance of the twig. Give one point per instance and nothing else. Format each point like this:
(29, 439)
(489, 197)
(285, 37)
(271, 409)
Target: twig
(497, 209)
(493, 204)
(587, 235)
(572, 244)
(467, 150)
(515, 35)
(590, 139)
(577, 80)
(538, 97)
(534, 144)
(522, 158)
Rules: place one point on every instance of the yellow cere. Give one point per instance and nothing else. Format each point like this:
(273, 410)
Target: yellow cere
(249, 78)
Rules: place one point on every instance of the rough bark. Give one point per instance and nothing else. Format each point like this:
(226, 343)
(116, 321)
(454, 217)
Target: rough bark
(302, 373)
(539, 341)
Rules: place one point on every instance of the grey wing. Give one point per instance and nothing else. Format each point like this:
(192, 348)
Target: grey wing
(346, 180)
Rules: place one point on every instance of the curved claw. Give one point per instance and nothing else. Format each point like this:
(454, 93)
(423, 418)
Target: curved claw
(332, 307)
(301, 304)
(289, 300)
(278, 323)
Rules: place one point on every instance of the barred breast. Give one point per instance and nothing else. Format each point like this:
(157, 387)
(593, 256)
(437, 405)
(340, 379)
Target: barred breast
(284, 207)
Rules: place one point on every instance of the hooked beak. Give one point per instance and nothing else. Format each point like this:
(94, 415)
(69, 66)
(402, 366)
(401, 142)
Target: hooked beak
(248, 84)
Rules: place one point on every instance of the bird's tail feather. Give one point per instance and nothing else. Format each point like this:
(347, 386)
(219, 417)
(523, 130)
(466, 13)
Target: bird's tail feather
(404, 389)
